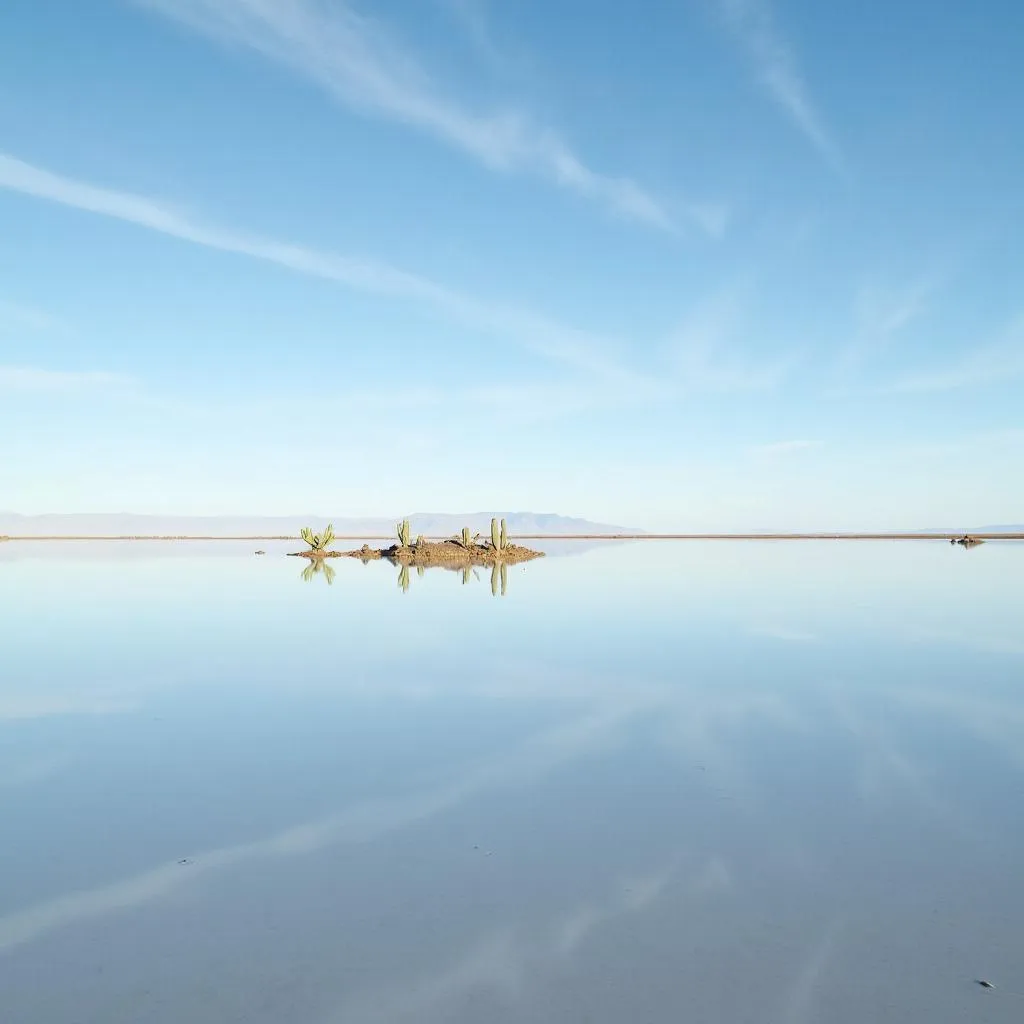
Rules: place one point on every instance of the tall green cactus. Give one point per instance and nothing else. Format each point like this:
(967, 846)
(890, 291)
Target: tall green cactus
(466, 539)
(403, 533)
(499, 538)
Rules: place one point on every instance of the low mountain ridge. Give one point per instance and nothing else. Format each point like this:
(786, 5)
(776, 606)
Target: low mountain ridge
(430, 524)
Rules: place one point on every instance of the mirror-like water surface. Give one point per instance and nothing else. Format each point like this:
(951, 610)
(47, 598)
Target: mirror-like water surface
(722, 782)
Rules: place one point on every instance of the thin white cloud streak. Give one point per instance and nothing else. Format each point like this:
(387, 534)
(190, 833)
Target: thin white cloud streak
(885, 315)
(800, 1006)
(882, 316)
(784, 633)
(557, 342)
(604, 377)
(783, 447)
(704, 356)
(360, 823)
(358, 63)
(35, 380)
(505, 960)
(23, 707)
(753, 24)
(991, 364)
(15, 317)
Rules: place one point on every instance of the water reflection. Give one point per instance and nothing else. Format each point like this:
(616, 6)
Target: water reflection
(319, 567)
(754, 783)
(467, 574)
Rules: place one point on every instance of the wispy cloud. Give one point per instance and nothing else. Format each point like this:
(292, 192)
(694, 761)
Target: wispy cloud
(776, 448)
(754, 25)
(360, 64)
(35, 379)
(994, 363)
(884, 316)
(602, 370)
(785, 633)
(706, 356)
(508, 959)
(885, 313)
(558, 342)
(357, 823)
(16, 317)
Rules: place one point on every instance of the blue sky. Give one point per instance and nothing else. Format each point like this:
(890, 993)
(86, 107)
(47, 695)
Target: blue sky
(704, 264)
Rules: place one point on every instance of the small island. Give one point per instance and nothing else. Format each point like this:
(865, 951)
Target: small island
(966, 541)
(460, 551)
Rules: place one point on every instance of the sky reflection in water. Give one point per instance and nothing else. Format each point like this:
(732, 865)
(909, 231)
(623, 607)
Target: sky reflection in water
(709, 782)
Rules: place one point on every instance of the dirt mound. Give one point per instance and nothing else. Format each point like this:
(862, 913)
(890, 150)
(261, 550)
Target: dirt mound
(447, 553)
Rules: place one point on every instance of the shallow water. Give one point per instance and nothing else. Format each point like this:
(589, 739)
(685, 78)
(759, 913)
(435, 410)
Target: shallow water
(719, 782)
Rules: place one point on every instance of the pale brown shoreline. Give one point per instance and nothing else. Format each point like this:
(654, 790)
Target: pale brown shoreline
(552, 537)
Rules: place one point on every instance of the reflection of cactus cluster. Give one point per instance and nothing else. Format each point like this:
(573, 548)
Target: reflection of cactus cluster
(317, 541)
(499, 538)
(403, 578)
(403, 533)
(318, 567)
(499, 575)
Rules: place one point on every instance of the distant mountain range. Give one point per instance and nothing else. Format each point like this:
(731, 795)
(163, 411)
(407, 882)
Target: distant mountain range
(430, 524)
(1019, 528)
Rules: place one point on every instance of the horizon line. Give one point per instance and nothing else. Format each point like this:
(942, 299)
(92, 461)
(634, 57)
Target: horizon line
(803, 535)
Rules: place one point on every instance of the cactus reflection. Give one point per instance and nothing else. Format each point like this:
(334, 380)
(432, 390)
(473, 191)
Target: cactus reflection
(318, 567)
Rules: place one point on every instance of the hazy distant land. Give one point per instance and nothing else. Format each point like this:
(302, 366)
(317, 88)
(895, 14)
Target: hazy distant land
(430, 524)
(524, 525)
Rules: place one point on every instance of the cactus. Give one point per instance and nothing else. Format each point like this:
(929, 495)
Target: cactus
(504, 579)
(466, 572)
(403, 533)
(466, 539)
(495, 577)
(403, 578)
(499, 538)
(317, 541)
(421, 540)
(420, 570)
